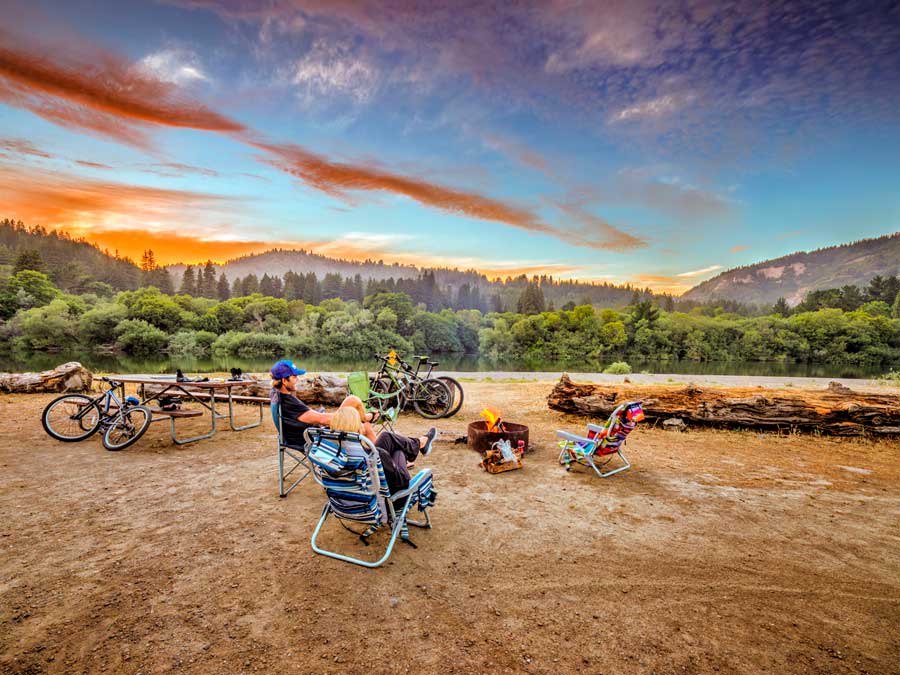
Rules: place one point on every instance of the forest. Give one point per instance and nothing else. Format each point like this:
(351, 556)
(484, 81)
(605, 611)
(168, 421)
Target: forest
(109, 304)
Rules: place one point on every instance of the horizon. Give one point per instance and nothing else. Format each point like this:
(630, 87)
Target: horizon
(712, 137)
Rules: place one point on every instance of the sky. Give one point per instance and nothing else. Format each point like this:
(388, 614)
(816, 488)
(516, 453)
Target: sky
(651, 143)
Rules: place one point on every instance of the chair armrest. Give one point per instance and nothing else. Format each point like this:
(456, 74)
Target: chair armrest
(596, 428)
(414, 484)
(572, 437)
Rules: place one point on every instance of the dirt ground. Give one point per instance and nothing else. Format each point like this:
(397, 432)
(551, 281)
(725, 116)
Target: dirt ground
(731, 552)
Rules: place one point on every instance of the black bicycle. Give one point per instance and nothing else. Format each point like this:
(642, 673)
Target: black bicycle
(395, 381)
(452, 383)
(75, 417)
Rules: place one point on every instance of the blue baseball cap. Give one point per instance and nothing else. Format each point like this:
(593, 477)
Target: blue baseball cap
(285, 368)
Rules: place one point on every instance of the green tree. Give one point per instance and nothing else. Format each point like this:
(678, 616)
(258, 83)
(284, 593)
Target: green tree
(531, 301)
(29, 259)
(97, 325)
(223, 291)
(781, 308)
(188, 282)
(139, 338)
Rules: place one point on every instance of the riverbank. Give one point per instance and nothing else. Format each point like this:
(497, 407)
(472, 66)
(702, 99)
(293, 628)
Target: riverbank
(718, 551)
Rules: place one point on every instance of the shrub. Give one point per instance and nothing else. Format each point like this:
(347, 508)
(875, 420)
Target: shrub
(618, 368)
(138, 337)
(191, 343)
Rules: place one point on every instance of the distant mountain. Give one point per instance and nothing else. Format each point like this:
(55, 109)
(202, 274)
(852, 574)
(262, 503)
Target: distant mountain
(793, 276)
(278, 261)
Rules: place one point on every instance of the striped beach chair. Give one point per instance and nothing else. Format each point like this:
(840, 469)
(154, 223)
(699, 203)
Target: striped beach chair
(348, 467)
(602, 444)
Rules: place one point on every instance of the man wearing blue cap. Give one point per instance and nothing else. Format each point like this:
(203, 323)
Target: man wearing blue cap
(296, 416)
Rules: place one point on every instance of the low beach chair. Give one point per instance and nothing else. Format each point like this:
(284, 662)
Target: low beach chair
(386, 405)
(602, 443)
(296, 454)
(348, 467)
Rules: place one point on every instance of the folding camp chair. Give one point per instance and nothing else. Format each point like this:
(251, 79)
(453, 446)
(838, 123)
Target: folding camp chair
(296, 454)
(349, 467)
(602, 443)
(386, 405)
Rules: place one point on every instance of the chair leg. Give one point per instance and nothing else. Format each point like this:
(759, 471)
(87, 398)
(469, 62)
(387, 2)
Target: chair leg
(356, 561)
(298, 461)
(606, 474)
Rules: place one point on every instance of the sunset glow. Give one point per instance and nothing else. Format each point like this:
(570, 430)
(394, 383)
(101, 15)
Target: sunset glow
(597, 140)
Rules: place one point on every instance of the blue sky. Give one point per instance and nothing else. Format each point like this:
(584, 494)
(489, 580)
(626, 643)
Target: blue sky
(655, 143)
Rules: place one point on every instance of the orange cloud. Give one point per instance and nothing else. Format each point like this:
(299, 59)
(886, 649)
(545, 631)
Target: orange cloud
(338, 179)
(18, 146)
(661, 283)
(92, 165)
(91, 90)
(596, 232)
(737, 249)
(56, 199)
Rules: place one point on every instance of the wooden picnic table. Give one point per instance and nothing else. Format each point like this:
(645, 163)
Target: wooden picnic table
(205, 393)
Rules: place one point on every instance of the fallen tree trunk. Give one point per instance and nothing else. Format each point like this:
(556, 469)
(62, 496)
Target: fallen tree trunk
(837, 410)
(68, 377)
(318, 389)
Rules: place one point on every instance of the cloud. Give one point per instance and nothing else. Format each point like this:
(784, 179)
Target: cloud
(660, 283)
(737, 249)
(176, 65)
(92, 165)
(98, 92)
(518, 151)
(656, 107)
(11, 147)
(332, 69)
(59, 199)
(594, 232)
(700, 272)
(176, 169)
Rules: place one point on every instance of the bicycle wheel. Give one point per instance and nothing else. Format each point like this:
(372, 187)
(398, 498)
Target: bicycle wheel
(127, 427)
(433, 399)
(387, 386)
(72, 417)
(457, 391)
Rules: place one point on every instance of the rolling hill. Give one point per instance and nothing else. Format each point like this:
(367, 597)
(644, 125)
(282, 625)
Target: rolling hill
(793, 276)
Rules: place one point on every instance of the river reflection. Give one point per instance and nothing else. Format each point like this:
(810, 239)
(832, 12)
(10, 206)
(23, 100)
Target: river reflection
(117, 363)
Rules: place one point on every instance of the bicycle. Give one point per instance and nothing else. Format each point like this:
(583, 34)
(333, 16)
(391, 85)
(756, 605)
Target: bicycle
(75, 417)
(396, 381)
(456, 390)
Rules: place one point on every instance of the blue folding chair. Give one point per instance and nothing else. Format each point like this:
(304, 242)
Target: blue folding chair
(348, 467)
(296, 454)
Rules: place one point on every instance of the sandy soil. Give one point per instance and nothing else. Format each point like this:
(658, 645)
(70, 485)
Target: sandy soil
(730, 552)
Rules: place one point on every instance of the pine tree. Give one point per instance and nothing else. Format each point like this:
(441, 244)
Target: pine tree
(148, 261)
(188, 283)
(223, 291)
(250, 285)
(781, 307)
(29, 259)
(237, 288)
(266, 287)
(332, 285)
(208, 283)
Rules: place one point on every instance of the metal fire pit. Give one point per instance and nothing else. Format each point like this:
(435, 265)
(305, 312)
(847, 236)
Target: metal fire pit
(481, 439)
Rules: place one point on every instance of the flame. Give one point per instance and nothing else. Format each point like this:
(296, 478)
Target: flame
(492, 417)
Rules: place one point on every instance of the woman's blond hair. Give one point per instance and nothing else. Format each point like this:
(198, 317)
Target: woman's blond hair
(346, 419)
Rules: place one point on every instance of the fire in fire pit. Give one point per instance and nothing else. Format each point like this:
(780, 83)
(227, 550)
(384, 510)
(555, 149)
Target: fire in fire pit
(493, 420)
(483, 434)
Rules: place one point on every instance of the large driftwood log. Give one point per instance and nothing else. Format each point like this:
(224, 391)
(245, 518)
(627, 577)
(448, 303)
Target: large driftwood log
(317, 389)
(837, 410)
(70, 376)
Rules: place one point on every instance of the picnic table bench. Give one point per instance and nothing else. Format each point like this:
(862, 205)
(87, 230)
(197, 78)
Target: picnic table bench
(206, 394)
